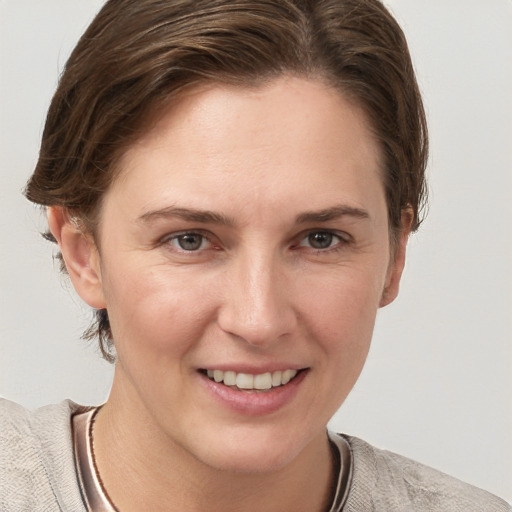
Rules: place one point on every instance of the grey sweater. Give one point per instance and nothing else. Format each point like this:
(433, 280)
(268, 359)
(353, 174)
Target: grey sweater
(37, 471)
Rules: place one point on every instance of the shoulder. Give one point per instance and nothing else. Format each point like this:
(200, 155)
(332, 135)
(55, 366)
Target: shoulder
(36, 457)
(383, 481)
(22, 429)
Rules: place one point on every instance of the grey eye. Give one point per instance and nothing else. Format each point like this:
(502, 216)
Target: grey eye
(189, 241)
(320, 239)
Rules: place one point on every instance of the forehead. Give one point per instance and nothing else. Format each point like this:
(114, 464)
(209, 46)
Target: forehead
(210, 111)
(289, 138)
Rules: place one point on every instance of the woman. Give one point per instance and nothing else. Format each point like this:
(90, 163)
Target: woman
(232, 186)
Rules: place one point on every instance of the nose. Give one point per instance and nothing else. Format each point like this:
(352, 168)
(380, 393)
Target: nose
(257, 306)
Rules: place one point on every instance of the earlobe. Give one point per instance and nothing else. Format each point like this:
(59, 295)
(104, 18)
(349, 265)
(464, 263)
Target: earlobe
(397, 263)
(80, 255)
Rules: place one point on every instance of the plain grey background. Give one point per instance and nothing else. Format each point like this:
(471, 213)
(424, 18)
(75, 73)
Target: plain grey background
(437, 386)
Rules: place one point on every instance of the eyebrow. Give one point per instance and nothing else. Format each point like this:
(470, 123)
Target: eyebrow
(190, 214)
(331, 214)
(209, 217)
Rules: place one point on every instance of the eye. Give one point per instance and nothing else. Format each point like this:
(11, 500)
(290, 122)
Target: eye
(189, 242)
(321, 240)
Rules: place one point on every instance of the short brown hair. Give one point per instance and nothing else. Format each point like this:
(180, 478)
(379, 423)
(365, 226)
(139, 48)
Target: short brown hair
(138, 54)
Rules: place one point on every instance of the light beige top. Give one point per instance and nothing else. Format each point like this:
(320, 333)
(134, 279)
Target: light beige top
(38, 471)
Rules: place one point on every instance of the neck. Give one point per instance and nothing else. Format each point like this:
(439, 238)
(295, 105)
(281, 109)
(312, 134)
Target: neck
(145, 470)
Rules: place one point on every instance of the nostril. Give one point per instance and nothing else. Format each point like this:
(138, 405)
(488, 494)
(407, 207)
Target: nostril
(262, 331)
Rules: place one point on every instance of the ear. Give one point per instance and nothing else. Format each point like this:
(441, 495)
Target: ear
(397, 261)
(80, 256)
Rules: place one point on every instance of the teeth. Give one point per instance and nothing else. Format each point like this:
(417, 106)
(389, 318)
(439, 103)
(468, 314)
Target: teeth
(288, 376)
(276, 378)
(263, 381)
(247, 381)
(230, 378)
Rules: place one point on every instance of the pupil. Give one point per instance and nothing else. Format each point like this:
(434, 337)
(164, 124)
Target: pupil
(190, 242)
(320, 240)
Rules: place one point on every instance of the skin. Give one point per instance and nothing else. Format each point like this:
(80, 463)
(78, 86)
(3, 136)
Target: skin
(278, 168)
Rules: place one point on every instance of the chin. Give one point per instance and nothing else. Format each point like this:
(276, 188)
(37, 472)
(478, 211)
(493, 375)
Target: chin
(251, 452)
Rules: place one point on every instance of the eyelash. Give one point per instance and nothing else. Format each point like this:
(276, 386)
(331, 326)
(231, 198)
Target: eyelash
(175, 237)
(341, 240)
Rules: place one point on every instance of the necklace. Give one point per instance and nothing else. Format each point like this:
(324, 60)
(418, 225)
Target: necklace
(93, 491)
(90, 431)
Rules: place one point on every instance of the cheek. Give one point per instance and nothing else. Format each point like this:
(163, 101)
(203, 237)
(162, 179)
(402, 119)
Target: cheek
(156, 313)
(346, 300)
(340, 314)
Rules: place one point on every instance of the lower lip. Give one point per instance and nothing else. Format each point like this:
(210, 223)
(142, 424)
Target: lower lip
(254, 403)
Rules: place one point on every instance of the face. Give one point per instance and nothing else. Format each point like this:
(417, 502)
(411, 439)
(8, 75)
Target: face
(245, 245)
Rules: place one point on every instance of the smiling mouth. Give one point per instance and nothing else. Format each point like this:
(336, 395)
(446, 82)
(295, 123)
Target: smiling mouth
(249, 382)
